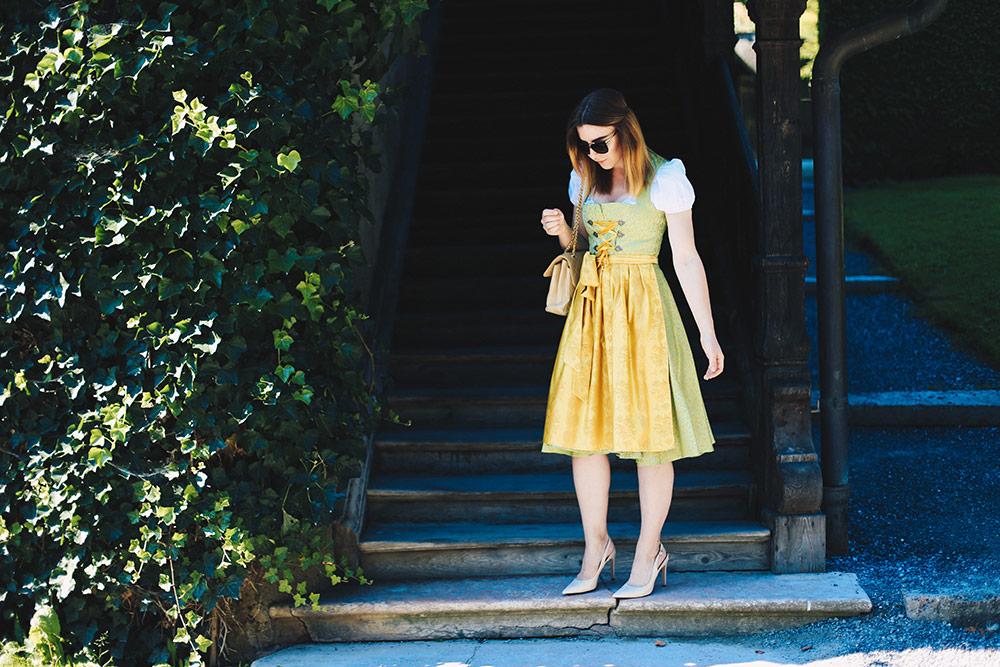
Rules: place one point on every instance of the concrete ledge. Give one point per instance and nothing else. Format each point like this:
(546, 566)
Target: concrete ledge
(968, 608)
(692, 604)
(721, 603)
(924, 408)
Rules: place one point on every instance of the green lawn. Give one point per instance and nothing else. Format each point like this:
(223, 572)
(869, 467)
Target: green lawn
(941, 237)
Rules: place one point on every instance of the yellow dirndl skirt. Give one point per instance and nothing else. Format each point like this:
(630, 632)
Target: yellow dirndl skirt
(624, 379)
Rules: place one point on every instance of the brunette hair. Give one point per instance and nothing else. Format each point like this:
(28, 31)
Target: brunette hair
(607, 107)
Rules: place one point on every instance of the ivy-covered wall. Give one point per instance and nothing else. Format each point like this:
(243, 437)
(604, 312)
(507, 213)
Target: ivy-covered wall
(183, 361)
(923, 105)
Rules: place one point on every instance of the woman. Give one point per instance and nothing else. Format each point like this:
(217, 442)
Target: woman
(624, 379)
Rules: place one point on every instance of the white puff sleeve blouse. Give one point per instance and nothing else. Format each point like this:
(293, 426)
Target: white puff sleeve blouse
(670, 191)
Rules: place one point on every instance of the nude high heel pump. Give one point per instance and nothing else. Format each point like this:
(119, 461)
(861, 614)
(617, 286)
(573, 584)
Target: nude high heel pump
(586, 585)
(659, 563)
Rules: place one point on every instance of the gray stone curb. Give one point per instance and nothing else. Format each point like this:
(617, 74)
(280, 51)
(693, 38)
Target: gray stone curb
(923, 408)
(859, 284)
(979, 609)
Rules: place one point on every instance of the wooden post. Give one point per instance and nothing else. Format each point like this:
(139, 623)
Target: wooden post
(719, 36)
(790, 473)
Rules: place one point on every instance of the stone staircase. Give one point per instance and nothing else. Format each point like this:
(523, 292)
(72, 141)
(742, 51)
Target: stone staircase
(470, 530)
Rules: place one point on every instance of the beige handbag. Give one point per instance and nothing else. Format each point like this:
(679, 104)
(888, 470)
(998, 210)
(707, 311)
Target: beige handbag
(565, 269)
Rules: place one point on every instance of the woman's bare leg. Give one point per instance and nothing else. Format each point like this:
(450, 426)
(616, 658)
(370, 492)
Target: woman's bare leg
(656, 488)
(592, 480)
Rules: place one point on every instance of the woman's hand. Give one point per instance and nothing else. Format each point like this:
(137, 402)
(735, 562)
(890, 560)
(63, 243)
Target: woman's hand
(715, 357)
(554, 222)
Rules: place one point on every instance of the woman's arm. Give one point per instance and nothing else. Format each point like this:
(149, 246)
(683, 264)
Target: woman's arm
(691, 275)
(555, 224)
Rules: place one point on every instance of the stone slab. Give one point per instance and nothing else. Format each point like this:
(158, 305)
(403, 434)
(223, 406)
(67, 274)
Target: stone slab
(692, 604)
(527, 606)
(725, 603)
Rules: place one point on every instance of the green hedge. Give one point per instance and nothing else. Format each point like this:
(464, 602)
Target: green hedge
(184, 375)
(925, 105)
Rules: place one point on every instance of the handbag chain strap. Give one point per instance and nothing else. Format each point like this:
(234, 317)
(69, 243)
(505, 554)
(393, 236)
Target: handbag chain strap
(577, 216)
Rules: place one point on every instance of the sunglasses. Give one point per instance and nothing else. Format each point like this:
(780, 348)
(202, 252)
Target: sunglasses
(600, 146)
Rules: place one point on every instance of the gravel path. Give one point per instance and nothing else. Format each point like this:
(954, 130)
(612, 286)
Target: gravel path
(924, 508)
(889, 349)
(923, 519)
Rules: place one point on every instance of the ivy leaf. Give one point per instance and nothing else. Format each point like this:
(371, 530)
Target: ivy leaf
(99, 456)
(45, 627)
(282, 224)
(231, 587)
(289, 161)
(65, 583)
(239, 226)
(282, 341)
(344, 105)
(282, 263)
(288, 525)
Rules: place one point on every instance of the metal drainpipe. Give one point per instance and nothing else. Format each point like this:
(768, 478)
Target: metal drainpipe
(830, 247)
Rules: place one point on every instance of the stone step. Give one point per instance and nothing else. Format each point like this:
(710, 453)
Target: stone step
(469, 24)
(467, 293)
(530, 79)
(491, 332)
(471, 549)
(714, 495)
(531, 23)
(520, 201)
(443, 364)
(498, 259)
(451, 228)
(516, 450)
(438, 407)
(555, 97)
(472, 294)
(694, 604)
(445, 144)
(547, 122)
(541, 136)
(513, 12)
(455, 329)
(494, 55)
(420, 394)
(550, 167)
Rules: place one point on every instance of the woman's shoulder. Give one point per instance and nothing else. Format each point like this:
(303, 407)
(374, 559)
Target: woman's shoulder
(670, 191)
(663, 168)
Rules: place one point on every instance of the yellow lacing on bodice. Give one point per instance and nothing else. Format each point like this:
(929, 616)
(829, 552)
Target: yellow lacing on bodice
(603, 227)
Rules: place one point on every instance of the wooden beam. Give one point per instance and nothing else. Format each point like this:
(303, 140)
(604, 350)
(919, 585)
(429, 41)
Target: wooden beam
(792, 484)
